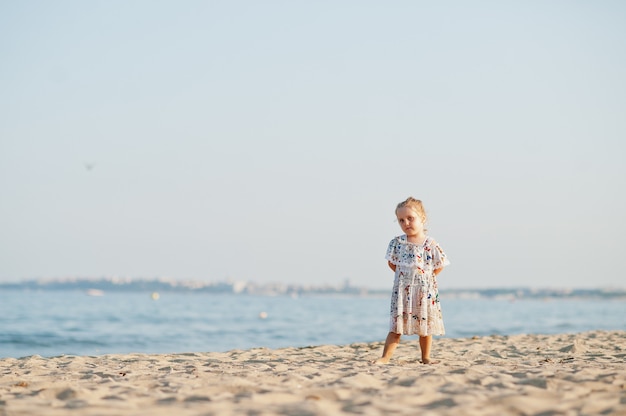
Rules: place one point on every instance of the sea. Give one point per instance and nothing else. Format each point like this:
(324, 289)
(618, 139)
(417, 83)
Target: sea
(55, 323)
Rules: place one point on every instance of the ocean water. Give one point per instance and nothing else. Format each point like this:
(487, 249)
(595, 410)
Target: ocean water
(52, 323)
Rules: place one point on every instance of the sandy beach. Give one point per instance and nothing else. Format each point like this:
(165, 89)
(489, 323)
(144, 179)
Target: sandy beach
(568, 374)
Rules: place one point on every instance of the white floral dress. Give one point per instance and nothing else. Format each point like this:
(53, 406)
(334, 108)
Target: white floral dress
(415, 307)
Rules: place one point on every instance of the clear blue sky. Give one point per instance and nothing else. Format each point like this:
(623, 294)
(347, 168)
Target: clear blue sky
(271, 140)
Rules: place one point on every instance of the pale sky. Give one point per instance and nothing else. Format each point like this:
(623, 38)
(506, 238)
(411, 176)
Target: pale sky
(270, 141)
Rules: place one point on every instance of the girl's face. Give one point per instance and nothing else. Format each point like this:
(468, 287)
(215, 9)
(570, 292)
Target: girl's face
(410, 221)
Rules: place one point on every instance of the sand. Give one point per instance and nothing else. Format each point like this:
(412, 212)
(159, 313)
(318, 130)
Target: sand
(567, 374)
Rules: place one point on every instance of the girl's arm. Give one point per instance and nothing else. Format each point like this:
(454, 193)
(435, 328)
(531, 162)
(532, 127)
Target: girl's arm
(437, 271)
(391, 266)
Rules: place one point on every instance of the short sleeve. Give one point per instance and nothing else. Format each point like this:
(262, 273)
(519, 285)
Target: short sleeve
(439, 257)
(392, 252)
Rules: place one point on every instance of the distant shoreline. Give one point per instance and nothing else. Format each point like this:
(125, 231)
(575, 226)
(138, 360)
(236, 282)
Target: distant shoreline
(113, 285)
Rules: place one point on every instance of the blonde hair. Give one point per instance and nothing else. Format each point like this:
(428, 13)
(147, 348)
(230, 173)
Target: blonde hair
(414, 204)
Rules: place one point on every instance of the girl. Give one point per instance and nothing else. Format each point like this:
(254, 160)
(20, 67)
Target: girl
(416, 260)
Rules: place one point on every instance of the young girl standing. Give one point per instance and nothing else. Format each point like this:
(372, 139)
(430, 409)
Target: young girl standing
(416, 260)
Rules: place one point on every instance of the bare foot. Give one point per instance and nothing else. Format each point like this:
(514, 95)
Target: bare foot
(429, 361)
(381, 361)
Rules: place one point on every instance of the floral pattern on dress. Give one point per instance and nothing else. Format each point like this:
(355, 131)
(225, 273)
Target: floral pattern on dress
(415, 306)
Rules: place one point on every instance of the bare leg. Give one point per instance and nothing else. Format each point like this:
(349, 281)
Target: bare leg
(391, 343)
(425, 345)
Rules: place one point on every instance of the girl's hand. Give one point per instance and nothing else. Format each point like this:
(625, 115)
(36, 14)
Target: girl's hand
(391, 266)
(437, 271)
